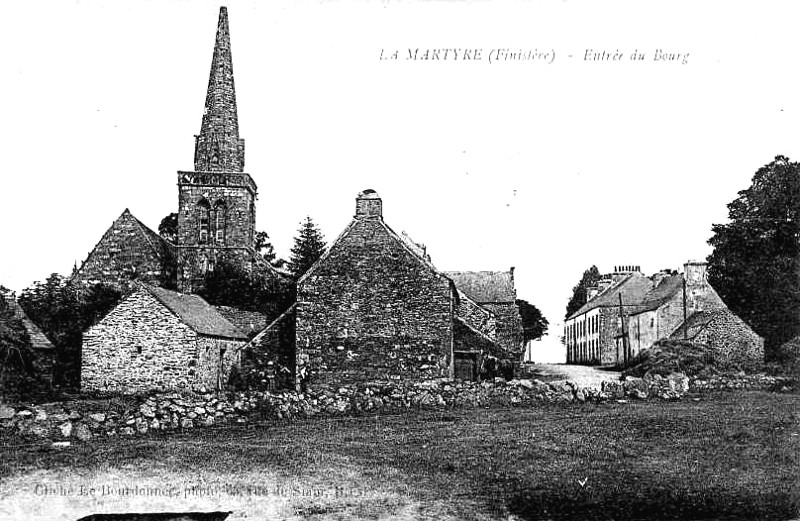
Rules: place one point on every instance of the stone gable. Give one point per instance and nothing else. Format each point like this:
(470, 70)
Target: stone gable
(129, 251)
(371, 309)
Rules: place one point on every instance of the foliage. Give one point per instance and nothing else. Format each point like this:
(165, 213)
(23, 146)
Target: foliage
(308, 247)
(64, 310)
(15, 355)
(168, 228)
(589, 279)
(228, 284)
(534, 324)
(754, 265)
(264, 248)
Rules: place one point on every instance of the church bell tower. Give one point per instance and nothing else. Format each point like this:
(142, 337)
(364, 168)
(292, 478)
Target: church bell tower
(216, 201)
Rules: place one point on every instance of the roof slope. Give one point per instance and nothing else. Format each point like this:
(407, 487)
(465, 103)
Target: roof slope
(485, 286)
(661, 294)
(699, 320)
(38, 339)
(249, 322)
(126, 243)
(196, 313)
(633, 288)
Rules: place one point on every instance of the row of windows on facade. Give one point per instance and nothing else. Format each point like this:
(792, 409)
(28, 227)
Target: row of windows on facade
(584, 351)
(579, 329)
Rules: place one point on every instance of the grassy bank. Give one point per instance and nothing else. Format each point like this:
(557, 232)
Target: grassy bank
(728, 456)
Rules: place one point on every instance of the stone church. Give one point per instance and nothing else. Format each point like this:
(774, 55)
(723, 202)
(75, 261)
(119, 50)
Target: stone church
(373, 307)
(216, 204)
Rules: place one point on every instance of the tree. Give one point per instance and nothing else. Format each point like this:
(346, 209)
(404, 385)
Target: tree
(14, 340)
(228, 284)
(589, 279)
(168, 229)
(64, 310)
(754, 265)
(534, 324)
(264, 247)
(308, 247)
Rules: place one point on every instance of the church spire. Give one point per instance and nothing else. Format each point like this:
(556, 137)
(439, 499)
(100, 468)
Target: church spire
(218, 147)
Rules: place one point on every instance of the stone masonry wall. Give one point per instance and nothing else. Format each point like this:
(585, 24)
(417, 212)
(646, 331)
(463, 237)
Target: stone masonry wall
(213, 370)
(732, 342)
(237, 203)
(509, 327)
(372, 310)
(124, 253)
(139, 346)
(476, 316)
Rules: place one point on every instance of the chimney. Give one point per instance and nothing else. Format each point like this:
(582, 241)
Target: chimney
(661, 275)
(604, 283)
(369, 205)
(695, 272)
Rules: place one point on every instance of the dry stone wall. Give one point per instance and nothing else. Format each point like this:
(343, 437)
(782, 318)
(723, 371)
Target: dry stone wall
(86, 419)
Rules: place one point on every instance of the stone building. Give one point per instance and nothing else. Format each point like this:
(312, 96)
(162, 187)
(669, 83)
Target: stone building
(216, 203)
(590, 333)
(495, 291)
(374, 307)
(42, 351)
(661, 310)
(157, 339)
(729, 340)
(129, 251)
(608, 331)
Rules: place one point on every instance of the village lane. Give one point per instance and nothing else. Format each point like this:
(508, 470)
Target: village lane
(582, 375)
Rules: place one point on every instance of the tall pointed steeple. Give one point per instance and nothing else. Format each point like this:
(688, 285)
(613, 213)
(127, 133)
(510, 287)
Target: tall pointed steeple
(218, 147)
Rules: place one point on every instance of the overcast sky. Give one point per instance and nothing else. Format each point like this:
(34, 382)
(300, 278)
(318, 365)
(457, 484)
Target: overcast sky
(549, 167)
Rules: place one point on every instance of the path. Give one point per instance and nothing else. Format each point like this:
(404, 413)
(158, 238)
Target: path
(582, 375)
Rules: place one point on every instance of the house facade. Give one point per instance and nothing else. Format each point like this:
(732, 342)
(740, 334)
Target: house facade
(373, 308)
(627, 313)
(590, 334)
(495, 291)
(157, 339)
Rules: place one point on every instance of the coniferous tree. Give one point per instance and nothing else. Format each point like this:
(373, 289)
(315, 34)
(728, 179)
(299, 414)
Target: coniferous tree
(308, 247)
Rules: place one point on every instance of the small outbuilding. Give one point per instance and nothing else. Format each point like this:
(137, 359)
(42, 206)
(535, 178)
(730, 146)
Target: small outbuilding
(157, 339)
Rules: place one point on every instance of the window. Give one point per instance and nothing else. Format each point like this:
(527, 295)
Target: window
(204, 218)
(220, 211)
(139, 349)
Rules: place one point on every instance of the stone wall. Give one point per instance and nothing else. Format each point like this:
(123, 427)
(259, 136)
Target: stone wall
(216, 357)
(476, 316)
(373, 310)
(509, 327)
(129, 251)
(732, 342)
(138, 346)
(227, 203)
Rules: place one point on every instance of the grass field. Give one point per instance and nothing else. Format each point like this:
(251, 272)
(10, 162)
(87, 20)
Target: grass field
(728, 456)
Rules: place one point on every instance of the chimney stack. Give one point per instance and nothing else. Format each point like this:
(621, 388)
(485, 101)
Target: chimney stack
(369, 205)
(695, 272)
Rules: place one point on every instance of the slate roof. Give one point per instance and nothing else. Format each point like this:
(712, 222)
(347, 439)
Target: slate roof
(485, 286)
(661, 294)
(38, 339)
(633, 288)
(249, 322)
(699, 320)
(196, 313)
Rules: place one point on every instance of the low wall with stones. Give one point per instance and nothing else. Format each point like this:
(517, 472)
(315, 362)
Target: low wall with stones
(86, 419)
